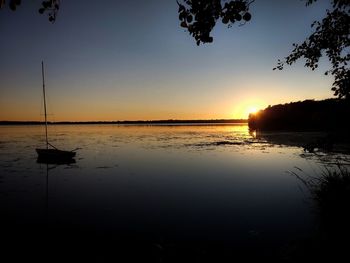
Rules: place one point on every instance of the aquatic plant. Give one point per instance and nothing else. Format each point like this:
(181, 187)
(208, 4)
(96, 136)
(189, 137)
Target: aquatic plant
(330, 191)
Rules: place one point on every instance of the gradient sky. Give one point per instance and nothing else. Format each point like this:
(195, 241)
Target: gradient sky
(130, 60)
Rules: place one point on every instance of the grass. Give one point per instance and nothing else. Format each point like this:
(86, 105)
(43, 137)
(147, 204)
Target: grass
(330, 192)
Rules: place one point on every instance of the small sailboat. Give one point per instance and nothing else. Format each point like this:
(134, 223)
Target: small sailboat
(51, 154)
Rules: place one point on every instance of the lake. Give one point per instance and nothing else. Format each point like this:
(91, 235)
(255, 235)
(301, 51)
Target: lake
(158, 193)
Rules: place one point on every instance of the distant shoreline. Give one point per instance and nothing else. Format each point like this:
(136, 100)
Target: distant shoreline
(139, 122)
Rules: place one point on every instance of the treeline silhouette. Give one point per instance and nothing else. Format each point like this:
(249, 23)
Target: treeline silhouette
(308, 115)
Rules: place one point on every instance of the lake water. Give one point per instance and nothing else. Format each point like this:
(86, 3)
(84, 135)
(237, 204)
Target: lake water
(168, 193)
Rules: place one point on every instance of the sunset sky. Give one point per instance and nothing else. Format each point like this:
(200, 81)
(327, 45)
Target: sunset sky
(131, 60)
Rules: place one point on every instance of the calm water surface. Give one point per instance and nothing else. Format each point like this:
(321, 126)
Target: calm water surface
(158, 184)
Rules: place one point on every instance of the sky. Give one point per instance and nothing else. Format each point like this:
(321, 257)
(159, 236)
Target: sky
(130, 60)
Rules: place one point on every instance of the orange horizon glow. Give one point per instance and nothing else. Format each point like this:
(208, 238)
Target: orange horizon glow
(111, 108)
(141, 115)
(252, 110)
(249, 106)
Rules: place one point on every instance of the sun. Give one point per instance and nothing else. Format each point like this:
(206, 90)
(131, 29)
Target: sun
(252, 110)
(246, 107)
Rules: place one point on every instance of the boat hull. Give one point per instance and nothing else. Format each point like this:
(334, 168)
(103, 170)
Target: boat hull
(55, 155)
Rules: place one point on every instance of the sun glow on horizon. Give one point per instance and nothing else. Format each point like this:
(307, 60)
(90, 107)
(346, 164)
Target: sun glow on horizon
(252, 110)
(251, 106)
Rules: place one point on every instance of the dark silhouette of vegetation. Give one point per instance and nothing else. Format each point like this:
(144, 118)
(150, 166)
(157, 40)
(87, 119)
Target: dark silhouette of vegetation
(330, 38)
(330, 192)
(50, 7)
(200, 17)
(308, 115)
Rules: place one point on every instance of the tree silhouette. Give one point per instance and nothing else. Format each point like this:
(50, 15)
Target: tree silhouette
(49, 7)
(326, 115)
(200, 17)
(331, 36)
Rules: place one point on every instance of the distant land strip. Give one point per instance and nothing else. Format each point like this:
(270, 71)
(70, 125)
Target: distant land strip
(139, 122)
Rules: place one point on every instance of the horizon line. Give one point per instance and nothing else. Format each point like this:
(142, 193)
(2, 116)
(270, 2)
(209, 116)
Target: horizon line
(165, 121)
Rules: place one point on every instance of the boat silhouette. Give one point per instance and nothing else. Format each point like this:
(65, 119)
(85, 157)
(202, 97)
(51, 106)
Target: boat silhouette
(51, 154)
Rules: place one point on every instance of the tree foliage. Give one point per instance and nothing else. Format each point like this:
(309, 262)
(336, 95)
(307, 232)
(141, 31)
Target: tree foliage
(200, 17)
(305, 115)
(331, 36)
(50, 7)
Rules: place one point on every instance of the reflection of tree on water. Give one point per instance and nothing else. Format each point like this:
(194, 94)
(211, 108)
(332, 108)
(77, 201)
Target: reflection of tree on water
(310, 141)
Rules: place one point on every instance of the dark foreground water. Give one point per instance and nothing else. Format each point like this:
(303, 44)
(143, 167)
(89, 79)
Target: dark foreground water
(152, 193)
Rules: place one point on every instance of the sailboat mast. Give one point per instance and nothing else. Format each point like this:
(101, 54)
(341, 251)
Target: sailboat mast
(42, 73)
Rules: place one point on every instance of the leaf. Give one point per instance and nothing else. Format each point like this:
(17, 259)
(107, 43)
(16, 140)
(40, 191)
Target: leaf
(189, 19)
(183, 24)
(225, 20)
(247, 16)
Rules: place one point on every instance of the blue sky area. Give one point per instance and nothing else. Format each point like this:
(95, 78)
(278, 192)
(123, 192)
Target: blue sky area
(118, 60)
